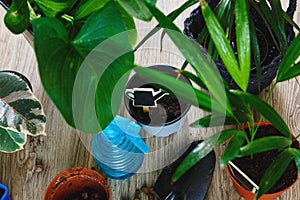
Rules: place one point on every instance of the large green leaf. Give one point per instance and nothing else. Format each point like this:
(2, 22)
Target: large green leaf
(17, 17)
(190, 51)
(21, 113)
(265, 109)
(53, 7)
(60, 59)
(202, 150)
(221, 120)
(233, 148)
(137, 9)
(223, 47)
(274, 172)
(88, 7)
(265, 144)
(103, 72)
(287, 68)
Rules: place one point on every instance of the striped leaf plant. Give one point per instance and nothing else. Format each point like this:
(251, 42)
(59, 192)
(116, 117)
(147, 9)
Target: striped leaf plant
(21, 113)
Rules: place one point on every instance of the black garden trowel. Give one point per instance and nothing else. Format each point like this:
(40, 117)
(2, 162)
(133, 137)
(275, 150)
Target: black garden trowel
(193, 185)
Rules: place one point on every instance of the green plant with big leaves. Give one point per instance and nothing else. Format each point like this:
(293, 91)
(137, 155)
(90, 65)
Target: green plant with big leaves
(21, 113)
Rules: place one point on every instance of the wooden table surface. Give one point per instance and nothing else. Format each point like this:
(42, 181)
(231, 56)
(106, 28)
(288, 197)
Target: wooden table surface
(28, 172)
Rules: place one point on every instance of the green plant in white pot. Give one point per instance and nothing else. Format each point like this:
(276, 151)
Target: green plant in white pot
(21, 113)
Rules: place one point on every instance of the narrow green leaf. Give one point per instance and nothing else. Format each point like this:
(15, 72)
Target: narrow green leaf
(137, 9)
(233, 148)
(291, 21)
(265, 144)
(173, 15)
(266, 110)
(194, 78)
(221, 120)
(223, 46)
(17, 17)
(296, 153)
(183, 90)
(89, 7)
(53, 7)
(243, 39)
(190, 51)
(201, 151)
(274, 172)
(287, 68)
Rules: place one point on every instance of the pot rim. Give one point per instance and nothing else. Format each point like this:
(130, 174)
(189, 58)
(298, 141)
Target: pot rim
(77, 171)
(244, 189)
(5, 195)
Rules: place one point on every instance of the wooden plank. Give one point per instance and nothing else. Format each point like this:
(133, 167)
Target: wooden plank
(28, 172)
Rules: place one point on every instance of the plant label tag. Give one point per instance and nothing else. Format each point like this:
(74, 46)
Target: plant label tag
(144, 97)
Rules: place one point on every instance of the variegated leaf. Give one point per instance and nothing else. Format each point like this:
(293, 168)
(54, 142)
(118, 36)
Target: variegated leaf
(20, 112)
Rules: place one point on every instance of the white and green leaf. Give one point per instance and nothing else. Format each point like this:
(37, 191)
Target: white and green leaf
(21, 113)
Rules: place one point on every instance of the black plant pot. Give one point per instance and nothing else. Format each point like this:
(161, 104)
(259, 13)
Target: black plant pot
(169, 114)
(270, 56)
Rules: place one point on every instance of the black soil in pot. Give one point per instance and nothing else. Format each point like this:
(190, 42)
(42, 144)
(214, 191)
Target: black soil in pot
(169, 109)
(270, 55)
(87, 194)
(255, 167)
(1, 192)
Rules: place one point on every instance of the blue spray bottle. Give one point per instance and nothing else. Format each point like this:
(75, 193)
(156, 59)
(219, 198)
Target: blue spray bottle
(118, 149)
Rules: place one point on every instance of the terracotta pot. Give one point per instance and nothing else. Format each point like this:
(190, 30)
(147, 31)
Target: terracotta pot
(74, 180)
(248, 195)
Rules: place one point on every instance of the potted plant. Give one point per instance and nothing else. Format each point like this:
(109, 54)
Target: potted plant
(3, 192)
(233, 106)
(21, 112)
(78, 183)
(158, 112)
(268, 41)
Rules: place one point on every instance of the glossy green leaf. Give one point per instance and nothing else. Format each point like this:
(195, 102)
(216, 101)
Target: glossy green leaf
(266, 110)
(183, 90)
(222, 45)
(129, 25)
(88, 7)
(21, 113)
(137, 9)
(243, 39)
(291, 21)
(274, 172)
(190, 51)
(60, 59)
(194, 78)
(17, 17)
(287, 68)
(221, 120)
(232, 149)
(201, 151)
(53, 7)
(265, 144)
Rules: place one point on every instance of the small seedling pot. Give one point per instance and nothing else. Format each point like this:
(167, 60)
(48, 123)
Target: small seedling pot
(167, 114)
(247, 194)
(78, 182)
(3, 192)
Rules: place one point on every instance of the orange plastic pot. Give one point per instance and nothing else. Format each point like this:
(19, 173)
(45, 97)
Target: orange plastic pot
(248, 195)
(74, 181)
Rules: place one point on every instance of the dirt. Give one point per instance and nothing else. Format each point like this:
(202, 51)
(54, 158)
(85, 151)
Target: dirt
(168, 109)
(87, 194)
(256, 167)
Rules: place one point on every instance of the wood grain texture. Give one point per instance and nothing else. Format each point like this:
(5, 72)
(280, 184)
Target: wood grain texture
(27, 173)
